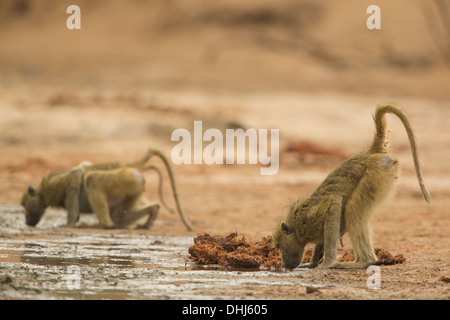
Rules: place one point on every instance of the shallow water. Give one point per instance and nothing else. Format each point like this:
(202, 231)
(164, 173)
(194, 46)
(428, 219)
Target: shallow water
(55, 263)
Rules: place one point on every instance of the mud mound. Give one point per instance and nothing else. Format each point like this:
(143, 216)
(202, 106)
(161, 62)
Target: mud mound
(385, 258)
(235, 251)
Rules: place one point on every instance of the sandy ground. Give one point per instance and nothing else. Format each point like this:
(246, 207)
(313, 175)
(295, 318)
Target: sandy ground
(86, 99)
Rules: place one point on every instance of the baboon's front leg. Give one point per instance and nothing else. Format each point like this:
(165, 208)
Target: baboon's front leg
(73, 197)
(315, 259)
(331, 231)
(73, 208)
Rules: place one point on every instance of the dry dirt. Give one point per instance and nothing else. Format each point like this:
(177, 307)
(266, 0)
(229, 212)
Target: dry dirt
(138, 71)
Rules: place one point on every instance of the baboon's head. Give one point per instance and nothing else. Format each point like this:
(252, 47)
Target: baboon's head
(34, 206)
(291, 249)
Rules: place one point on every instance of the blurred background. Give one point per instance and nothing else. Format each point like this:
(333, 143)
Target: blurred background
(139, 69)
(229, 45)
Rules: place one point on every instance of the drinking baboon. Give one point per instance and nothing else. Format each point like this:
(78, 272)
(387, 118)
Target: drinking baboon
(345, 201)
(113, 191)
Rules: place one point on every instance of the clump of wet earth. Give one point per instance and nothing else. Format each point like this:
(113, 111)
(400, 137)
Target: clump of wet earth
(235, 251)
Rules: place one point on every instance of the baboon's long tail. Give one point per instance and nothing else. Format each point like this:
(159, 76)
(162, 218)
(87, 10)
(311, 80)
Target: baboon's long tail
(141, 163)
(160, 186)
(379, 141)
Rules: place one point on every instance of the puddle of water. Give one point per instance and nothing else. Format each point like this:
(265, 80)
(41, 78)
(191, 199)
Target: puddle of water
(47, 264)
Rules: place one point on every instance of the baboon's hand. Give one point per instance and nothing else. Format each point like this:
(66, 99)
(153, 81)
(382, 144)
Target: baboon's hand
(308, 265)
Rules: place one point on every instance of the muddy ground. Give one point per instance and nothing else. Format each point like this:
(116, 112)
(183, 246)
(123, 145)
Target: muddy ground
(126, 81)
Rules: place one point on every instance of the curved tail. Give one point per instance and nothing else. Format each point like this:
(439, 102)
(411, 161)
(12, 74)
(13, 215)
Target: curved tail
(379, 140)
(141, 165)
(160, 187)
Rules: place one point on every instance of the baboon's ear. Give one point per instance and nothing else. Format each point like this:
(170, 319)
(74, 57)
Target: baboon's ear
(31, 191)
(286, 229)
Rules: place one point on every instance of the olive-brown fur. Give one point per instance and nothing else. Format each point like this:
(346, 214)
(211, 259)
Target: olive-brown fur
(113, 191)
(345, 202)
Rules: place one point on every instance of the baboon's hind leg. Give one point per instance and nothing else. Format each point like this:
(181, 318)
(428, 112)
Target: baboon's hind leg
(152, 212)
(125, 219)
(361, 238)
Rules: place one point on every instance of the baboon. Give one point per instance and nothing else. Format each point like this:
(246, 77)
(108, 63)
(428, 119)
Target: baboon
(113, 191)
(345, 201)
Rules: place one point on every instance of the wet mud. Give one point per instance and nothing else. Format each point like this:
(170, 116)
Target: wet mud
(61, 263)
(235, 251)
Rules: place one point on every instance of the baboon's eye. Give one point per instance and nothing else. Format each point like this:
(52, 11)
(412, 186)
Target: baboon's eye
(285, 228)
(31, 191)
